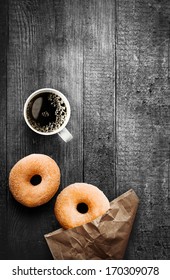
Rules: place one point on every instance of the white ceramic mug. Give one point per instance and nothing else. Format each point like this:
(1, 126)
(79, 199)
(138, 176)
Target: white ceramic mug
(62, 130)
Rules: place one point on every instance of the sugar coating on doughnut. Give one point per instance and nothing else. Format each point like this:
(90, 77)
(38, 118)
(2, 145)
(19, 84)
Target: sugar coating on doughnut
(23, 171)
(66, 206)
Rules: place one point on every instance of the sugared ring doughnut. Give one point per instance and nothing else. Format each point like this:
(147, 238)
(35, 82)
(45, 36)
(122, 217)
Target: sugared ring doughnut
(34, 180)
(79, 204)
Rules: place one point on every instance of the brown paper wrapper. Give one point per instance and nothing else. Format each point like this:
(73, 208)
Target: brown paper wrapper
(102, 239)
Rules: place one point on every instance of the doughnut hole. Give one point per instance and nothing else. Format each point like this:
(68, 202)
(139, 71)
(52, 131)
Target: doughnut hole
(82, 208)
(35, 180)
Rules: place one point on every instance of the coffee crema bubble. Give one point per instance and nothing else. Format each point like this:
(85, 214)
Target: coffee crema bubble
(46, 112)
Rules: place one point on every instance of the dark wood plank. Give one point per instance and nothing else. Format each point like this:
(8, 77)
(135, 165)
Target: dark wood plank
(111, 59)
(3, 77)
(99, 96)
(143, 113)
(45, 50)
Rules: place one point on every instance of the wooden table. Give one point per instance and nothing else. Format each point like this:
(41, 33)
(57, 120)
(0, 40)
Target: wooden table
(112, 61)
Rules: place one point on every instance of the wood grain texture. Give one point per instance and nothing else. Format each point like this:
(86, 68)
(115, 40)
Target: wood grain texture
(44, 51)
(112, 61)
(99, 95)
(143, 113)
(3, 78)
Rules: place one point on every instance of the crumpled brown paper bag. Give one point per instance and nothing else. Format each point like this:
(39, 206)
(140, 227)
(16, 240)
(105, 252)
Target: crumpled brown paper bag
(102, 239)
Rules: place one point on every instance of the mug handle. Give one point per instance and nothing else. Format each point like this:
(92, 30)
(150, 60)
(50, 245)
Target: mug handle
(65, 135)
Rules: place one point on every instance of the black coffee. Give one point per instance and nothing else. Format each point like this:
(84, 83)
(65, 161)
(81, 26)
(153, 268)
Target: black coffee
(46, 112)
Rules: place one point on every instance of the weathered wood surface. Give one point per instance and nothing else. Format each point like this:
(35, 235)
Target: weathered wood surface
(111, 59)
(3, 77)
(99, 95)
(143, 121)
(43, 52)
